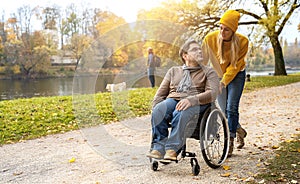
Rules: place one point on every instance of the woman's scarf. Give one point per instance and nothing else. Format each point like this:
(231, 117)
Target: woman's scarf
(186, 82)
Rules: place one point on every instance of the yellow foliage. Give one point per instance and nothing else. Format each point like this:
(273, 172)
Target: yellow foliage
(16, 69)
(108, 22)
(120, 57)
(11, 37)
(2, 69)
(158, 13)
(12, 20)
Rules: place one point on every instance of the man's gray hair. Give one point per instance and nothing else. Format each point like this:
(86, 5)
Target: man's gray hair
(185, 47)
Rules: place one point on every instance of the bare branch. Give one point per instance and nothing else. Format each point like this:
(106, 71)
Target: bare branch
(248, 23)
(288, 15)
(265, 6)
(249, 13)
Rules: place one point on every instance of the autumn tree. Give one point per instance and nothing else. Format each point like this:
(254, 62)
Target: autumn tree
(86, 19)
(12, 43)
(115, 32)
(160, 31)
(62, 30)
(24, 18)
(275, 16)
(50, 18)
(68, 24)
(292, 54)
(79, 43)
(269, 16)
(2, 36)
(34, 54)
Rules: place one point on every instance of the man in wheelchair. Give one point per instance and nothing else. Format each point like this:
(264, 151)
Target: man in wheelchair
(184, 92)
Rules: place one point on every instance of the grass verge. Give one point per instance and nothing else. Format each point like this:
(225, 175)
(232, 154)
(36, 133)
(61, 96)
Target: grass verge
(285, 166)
(270, 81)
(23, 119)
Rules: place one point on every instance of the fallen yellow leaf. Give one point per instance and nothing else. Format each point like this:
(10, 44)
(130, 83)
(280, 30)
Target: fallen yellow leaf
(225, 174)
(72, 160)
(275, 147)
(288, 141)
(226, 167)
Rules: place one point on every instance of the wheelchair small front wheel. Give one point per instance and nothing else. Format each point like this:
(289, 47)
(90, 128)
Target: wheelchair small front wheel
(195, 166)
(154, 165)
(214, 138)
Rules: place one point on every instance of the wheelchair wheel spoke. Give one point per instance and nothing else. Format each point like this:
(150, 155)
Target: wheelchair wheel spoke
(214, 136)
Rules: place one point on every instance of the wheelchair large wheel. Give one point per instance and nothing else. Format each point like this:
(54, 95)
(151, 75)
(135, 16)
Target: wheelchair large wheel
(214, 138)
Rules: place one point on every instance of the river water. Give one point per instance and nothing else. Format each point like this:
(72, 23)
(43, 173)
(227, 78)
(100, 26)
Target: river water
(12, 89)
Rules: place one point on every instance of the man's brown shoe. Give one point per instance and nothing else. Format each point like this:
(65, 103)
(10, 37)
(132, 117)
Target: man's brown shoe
(170, 155)
(241, 134)
(155, 154)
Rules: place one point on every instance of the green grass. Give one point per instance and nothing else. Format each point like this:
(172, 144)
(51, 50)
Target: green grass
(270, 81)
(285, 166)
(23, 119)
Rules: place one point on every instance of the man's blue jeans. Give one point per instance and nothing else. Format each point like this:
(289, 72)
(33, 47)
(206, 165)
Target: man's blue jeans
(229, 101)
(164, 113)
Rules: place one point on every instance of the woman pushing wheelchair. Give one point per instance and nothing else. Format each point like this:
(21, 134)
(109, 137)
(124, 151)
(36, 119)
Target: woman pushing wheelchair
(226, 49)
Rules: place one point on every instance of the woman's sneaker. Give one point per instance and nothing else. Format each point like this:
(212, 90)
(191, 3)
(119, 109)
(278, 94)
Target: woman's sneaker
(231, 146)
(241, 134)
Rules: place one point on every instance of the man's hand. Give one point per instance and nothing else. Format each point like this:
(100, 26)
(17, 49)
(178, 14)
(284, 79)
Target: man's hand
(183, 105)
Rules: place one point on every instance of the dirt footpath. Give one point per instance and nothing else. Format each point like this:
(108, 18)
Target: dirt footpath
(115, 153)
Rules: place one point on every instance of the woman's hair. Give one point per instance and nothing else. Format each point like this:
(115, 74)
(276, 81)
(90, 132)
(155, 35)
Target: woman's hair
(234, 51)
(150, 50)
(184, 48)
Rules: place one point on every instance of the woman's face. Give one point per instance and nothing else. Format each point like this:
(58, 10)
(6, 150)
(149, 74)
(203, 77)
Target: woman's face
(225, 32)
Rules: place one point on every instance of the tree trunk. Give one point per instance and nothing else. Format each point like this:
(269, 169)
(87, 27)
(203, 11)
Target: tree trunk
(279, 60)
(77, 63)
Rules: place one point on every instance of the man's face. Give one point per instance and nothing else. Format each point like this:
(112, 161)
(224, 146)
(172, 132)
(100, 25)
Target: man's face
(195, 53)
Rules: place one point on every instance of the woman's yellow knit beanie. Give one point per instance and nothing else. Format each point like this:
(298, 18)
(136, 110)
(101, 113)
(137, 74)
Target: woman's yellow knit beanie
(231, 19)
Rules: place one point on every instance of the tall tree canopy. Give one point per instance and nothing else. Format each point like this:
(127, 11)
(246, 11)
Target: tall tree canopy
(268, 16)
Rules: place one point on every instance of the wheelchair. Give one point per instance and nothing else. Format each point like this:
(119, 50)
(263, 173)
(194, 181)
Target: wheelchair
(211, 129)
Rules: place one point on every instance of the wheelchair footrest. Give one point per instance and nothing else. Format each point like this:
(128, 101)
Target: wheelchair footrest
(188, 154)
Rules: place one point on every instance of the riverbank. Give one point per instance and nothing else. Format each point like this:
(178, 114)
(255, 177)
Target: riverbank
(270, 115)
(31, 118)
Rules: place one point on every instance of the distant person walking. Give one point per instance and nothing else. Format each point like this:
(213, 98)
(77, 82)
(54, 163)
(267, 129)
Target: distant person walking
(151, 66)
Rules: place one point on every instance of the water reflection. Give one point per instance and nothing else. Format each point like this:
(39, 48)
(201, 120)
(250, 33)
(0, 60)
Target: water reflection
(11, 89)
